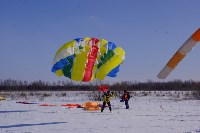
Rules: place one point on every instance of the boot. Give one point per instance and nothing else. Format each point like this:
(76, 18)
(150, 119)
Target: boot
(110, 109)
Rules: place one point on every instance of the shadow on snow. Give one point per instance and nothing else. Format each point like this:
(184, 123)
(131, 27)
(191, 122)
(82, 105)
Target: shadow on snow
(25, 125)
(16, 111)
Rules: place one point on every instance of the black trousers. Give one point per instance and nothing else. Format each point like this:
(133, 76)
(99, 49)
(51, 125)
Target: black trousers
(126, 103)
(104, 104)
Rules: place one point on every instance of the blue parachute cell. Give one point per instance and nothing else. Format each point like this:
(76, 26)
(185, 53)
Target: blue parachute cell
(113, 73)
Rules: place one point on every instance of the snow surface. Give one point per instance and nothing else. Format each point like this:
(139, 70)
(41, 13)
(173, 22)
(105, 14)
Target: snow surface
(148, 114)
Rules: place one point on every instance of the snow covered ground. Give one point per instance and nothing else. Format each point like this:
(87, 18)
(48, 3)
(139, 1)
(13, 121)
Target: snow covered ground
(148, 114)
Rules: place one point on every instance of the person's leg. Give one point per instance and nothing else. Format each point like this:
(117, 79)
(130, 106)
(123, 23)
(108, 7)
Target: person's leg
(109, 105)
(102, 108)
(126, 103)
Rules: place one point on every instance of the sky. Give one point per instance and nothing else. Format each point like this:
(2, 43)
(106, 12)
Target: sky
(150, 32)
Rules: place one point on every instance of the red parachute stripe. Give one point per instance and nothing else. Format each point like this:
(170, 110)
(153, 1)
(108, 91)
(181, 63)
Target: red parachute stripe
(91, 60)
(70, 105)
(47, 104)
(94, 41)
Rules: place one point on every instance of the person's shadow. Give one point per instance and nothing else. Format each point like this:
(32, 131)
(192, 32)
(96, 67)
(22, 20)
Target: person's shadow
(26, 125)
(15, 111)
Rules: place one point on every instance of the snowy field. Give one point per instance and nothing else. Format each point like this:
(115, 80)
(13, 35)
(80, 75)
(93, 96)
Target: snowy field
(148, 114)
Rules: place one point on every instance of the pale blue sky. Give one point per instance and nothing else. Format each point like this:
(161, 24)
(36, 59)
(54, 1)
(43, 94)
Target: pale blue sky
(150, 32)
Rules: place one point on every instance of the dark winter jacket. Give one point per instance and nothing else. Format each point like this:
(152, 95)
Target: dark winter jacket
(126, 96)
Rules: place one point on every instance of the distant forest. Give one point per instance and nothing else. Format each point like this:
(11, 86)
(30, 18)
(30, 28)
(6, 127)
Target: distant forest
(176, 85)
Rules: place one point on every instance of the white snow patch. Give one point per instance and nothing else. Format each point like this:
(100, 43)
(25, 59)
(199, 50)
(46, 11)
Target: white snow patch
(149, 113)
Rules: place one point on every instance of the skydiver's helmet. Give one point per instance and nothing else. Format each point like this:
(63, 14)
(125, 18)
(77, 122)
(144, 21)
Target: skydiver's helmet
(108, 92)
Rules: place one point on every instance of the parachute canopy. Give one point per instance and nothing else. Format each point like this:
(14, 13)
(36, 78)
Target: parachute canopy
(91, 106)
(71, 105)
(180, 54)
(84, 59)
(103, 88)
(2, 98)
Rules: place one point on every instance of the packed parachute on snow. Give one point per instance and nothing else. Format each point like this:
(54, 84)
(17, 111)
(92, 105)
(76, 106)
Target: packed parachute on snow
(180, 54)
(86, 59)
(91, 106)
(2, 98)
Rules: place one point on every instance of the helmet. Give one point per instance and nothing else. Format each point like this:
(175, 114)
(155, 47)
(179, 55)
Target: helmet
(108, 92)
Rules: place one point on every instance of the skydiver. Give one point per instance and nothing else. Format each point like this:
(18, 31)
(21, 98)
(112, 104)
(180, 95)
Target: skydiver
(125, 98)
(106, 100)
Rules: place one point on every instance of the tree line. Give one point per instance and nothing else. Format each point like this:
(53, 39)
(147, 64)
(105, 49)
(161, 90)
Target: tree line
(68, 85)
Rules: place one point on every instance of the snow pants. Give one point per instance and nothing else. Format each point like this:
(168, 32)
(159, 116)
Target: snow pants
(126, 103)
(104, 104)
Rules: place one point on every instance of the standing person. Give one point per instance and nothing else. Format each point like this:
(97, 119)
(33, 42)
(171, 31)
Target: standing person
(126, 97)
(106, 100)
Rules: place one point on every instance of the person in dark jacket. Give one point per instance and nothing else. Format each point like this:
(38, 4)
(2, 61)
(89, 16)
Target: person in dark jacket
(126, 96)
(106, 100)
